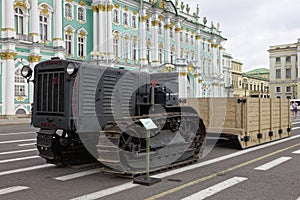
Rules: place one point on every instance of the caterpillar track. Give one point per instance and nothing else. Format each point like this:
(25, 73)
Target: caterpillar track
(177, 141)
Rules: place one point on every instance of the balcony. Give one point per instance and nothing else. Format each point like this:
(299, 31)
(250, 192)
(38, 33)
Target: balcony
(27, 38)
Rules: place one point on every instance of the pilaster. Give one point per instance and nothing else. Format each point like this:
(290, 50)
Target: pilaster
(167, 40)
(154, 33)
(34, 16)
(95, 28)
(58, 36)
(8, 27)
(143, 44)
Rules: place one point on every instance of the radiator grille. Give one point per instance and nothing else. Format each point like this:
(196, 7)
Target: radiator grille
(50, 92)
(108, 89)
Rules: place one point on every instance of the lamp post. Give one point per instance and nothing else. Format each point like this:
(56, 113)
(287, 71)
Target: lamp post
(95, 56)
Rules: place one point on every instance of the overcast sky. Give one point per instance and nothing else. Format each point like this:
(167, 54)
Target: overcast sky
(252, 26)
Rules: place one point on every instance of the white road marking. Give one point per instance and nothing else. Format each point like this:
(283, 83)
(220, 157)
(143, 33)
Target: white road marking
(28, 144)
(126, 186)
(12, 189)
(296, 152)
(19, 133)
(15, 141)
(203, 194)
(19, 151)
(273, 163)
(18, 159)
(106, 192)
(26, 169)
(77, 175)
(298, 122)
(294, 128)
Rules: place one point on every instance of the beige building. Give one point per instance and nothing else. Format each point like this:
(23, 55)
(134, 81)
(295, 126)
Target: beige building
(284, 70)
(254, 83)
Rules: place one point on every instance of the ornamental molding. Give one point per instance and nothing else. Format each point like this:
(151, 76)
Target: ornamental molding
(35, 58)
(8, 55)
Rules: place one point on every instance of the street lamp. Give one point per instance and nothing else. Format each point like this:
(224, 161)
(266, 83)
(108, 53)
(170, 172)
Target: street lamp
(245, 85)
(95, 56)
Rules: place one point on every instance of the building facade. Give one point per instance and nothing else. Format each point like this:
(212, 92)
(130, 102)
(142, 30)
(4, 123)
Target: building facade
(136, 35)
(284, 70)
(226, 62)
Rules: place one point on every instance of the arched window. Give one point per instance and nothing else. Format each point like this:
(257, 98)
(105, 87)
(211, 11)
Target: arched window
(186, 37)
(19, 21)
(81, 44)
(44, 28)
(116, 45)
(116, 16)
(69, 43)
(171, 32)
(68, 10)
(19, 84)
(126, 48)
(181, 36)
(134, 21)
(135, 51)
(125, 19)
(81, 14)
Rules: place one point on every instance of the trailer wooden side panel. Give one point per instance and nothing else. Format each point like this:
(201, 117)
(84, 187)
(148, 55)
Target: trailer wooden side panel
(252, 121)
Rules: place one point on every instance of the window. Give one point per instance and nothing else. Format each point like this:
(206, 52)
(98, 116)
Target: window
(134, 21)
(125, 19)
(19, 84)
(288, 89)
(135, 46)
(192, 39)
(181, 53)
(81, 14)
(148, 53)
(160, 56)
(181, 37)
(19, 21)
(203, 46)
(171, 32)
(288, 73)
(125, 48)
(278, 89)
(172, 57)
(116, 16)
(68, 10)
(81, 45)
(186, 37)
(44, 28)
(278, 73)
(208, 47)
(147, 24)
(277, 59)
(288, 59)
(116, 45)
(68, 43)
(160, 28)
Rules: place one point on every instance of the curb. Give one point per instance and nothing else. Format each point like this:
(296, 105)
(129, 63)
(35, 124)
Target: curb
(10, 124)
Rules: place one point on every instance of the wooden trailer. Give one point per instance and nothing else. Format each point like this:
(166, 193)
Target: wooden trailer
(247, 121)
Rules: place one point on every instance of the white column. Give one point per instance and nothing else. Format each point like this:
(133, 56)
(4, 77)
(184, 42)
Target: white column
(214, 49)
(109, 44)
(34, 21)
(283, 73)
(154, 33)
(8, 83)
(198, 50)
(182, 84)
(95, 29)
(177, 40)
(57, 40)
(143, 45)
(101, 28)
(8, 30)
(167, 40)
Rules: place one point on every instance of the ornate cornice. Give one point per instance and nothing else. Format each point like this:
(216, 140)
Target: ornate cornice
(95, 8)
(81, 3)
(214, 45)
(198, 37)
(101, 7)
(7, 29)
(20, 4)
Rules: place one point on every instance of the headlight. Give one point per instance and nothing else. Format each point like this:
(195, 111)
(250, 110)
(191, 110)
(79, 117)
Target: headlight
(26, 72)
(71, 69)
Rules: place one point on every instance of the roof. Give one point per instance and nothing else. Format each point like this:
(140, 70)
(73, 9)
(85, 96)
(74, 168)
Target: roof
(258, 71)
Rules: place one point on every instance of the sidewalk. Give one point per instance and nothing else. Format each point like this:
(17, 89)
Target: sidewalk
(7, 122)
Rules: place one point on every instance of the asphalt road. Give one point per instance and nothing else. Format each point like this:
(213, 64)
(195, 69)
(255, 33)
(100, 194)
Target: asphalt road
(270, 171)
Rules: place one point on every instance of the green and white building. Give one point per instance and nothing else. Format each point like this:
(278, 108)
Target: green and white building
(134, 34)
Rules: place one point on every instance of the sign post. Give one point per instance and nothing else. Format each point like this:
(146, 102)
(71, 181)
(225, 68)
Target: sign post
(148, 124)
